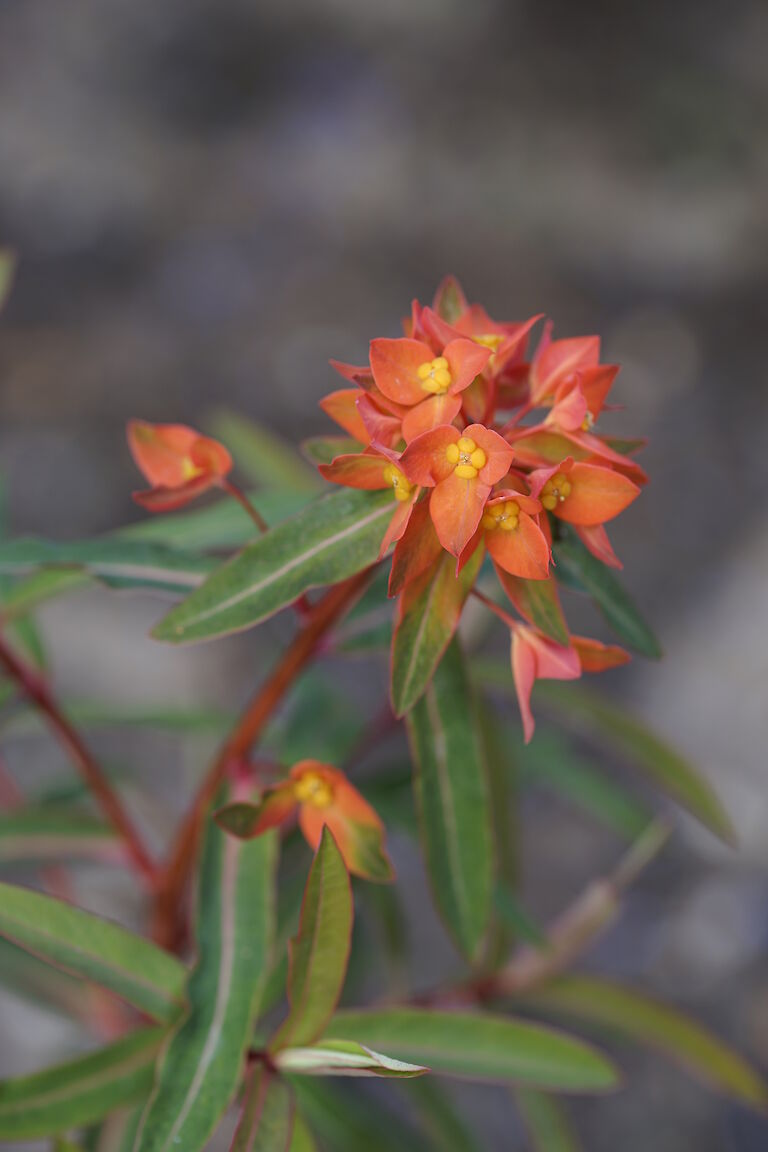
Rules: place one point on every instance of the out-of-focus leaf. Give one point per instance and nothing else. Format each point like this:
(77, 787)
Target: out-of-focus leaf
(323, 449)
(348, 1121)
(449, 301)
(118, 1132)
(453, 803)
(329, 540)
(438, 1117)
(119, 563)
(85, 945)
(663, 765)
(430, 608)
(537, 601)
(29, 592)
(550, 762)
(632, 1014)
(320, 951)
(266, 459)
(512, 912)
(546, 1120)
(577, 567)
(80, 1092)
(502, 774)
(480, 1046)
(266, 1121)
(7, 271)
(224, 524)
(97, 714)
(302, 1139)
(318, 723)
(344, 1058)
(31, 834)
(202, 1063)
(390, 792)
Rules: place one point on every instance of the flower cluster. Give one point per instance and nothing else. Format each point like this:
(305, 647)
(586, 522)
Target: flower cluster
(487, 447)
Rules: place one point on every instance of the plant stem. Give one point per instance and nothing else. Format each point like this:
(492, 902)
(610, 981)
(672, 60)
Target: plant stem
(321, 618)
(37, 691)
(238, 494)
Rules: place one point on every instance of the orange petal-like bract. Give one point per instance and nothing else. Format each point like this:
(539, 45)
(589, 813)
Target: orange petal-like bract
(534, 657)
(178, 462)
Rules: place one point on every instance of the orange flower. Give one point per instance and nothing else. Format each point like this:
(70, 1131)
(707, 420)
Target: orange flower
(462, 469)
(177, 461)
(376, 470)
(409, 373)
(322, 795)
(583, 494)
(513, 537)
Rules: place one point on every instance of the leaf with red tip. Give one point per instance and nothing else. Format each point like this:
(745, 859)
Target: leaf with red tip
(245, 820)
(537, 602)
(597, 657)
(416, 550)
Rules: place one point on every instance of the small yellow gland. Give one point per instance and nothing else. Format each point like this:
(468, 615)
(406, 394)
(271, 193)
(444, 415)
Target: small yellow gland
(588, 422)
(400, 484)
(313, 790)
(490, 340)
(467, 457)
(189, 469)
(554, 492)
(435, 375)
(505, 516)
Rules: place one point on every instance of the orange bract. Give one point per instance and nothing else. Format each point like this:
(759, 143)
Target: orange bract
(178, 462)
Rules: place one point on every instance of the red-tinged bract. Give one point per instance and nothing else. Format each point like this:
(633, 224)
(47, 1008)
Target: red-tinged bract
(178, 462)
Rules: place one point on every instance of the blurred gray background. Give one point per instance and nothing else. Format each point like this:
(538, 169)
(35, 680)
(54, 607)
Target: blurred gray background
(209, 200)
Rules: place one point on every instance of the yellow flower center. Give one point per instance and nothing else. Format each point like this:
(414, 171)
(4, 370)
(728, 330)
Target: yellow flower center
(555, 491)
(399, 483)
(505, 516)
(467, 457)
(435, 375)
(314, 790)
(588, 422)
(189, 469)
(490, 340)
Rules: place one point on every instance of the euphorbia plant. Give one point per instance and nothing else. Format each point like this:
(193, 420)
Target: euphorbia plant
(472, 470)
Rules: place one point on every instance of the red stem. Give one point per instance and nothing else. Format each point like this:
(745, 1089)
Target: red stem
(238, 494)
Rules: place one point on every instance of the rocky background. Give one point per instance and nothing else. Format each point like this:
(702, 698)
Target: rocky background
(209, 200)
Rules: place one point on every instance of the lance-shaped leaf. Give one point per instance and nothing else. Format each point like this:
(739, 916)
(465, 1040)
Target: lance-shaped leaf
(347, 1119)
(80, 1092)
(453, 802)
(26, 594)
(429, 613)
(119, 563)
(578, 568)
(344, 1058)
(327, 541)
(537, 602)
(85, 945)
(480, 1046)
(663, 765)
(34, 834)
(267, 1119)
(262, 456)
(302, 1139)
(437, 1114)
(203, 1061)
(320, 951)
(626, 1012)
(546, 1120)
(222, 525)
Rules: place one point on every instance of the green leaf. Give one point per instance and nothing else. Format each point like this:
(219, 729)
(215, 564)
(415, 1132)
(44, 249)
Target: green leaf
(576, 565)
(32, 834)
(323, 449)
(430, 609)
(267, 1118)
(480, 1046)
(663, 765)
(348, 1121)
(449, 302)
(637, 1016)
(320, 951)
(538, 602)
(502, 773)
(453, 803)
(329, 540)
(119, 563)
(97, 714)
(344, 1058)
(202, 1063)
(222, 525)
(266, 459)
(87, 946)
(302, 1139)
(7, 271)
(28, 593)
(118, 1132)
(512, 912)
(438, 1117)
(546, 1120)
(80, 1092)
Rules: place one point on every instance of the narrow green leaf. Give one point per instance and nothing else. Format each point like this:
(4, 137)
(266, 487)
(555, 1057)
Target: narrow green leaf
(663, 765)
(512, 912)
(302, 1139)
(430, 609)
(575, 564)
(438, 1116)
(7, 271)
(632, 1014)
(546, 1120)
(27, 593)
(267, 1119)
(344, 1058)
(32, 834)
(266, 459)
(348, 1121)
(118, 1132)
(323, 449)
(480, 1046)
(222, 525)
(329, 540)
(453, 803)
(119, 563)
(202, 1063)
(87, 946)
(80, 1092)
(503, 786)
(538, 602)
(97, 714)
(320, 951)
